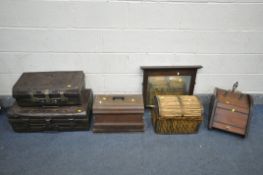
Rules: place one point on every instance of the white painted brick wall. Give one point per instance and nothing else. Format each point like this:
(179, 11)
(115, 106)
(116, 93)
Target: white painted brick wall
(110, 39)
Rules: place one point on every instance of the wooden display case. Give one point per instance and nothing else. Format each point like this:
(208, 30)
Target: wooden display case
(167, 80)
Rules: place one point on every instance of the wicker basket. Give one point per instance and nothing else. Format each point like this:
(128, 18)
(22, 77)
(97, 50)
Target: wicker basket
(174, 114)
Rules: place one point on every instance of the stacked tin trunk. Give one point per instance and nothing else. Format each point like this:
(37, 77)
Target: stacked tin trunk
(51, 101)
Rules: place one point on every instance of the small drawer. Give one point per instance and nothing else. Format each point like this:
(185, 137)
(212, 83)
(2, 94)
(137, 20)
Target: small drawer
(229, 128)
(231, 117)
(233, 107)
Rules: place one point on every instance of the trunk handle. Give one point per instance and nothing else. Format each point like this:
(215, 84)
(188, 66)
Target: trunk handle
(118, 98)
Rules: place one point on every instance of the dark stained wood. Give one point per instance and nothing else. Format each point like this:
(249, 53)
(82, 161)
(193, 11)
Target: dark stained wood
(120, 118)
(116, 127)
(237, 119)
(116, 104)
(231, 111)
(118, 113)
(228, 128)
(168, 71)
(171, 67)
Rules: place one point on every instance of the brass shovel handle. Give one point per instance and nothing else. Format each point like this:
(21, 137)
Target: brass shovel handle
(235, 85)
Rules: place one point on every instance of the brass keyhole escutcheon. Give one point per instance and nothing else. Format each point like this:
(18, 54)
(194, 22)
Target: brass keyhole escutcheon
(133, 100)
(178, 73)
(233, 110)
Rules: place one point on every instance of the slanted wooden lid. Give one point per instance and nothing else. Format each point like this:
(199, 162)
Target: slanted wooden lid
(232, 98)
(109, 104)
(177, 106)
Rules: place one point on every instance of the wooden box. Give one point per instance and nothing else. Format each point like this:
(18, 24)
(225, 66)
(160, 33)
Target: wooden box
(118, 113)
(177, 114)
(231, 111)
(62, 118)
(49, 88)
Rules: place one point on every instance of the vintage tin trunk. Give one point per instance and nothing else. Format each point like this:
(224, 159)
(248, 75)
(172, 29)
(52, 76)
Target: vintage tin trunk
(62, 118)
(177, 114)
(49, 88)
(231, 111)
(118, 113)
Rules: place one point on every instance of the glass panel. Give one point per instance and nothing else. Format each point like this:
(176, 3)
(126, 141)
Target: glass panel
(170, 85)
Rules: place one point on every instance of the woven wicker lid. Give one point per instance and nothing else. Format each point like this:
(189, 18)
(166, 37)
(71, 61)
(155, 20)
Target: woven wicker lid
(174, 106)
